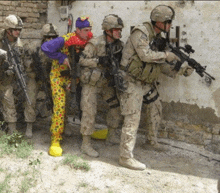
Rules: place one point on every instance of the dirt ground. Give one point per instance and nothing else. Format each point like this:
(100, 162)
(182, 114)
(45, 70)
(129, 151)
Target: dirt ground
(182, 168)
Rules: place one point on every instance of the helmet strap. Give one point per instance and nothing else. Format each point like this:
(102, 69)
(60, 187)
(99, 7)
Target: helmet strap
(165, 24)
(10, 35)
(110, 36)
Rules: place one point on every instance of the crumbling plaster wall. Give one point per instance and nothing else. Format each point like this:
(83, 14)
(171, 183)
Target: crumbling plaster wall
(199, 26)
(192, 103)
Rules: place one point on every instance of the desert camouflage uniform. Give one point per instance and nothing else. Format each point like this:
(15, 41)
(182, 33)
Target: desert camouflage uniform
(34, 47)
(139, 83)
(8, 85)
(95, 81)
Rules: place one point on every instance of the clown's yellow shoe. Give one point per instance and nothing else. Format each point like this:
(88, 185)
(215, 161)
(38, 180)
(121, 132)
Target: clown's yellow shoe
(55, 149)
(100, 134)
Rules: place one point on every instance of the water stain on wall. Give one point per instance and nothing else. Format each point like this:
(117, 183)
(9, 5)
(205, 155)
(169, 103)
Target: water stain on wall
(193, 114)
(216, 99)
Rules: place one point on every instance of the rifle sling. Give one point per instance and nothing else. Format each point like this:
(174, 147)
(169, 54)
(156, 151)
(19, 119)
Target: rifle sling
(148, 101)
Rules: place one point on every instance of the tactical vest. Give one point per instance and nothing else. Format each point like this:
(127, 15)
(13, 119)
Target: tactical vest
(16, 46)
(145, 72)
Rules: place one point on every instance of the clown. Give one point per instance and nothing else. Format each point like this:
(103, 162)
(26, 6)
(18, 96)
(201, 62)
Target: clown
(58, 50)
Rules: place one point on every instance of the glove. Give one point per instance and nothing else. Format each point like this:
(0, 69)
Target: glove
(9, 72)
(188, 71)
(65, 73)
(5, 65)
(171, 57)
(104, 60)
(3, 54)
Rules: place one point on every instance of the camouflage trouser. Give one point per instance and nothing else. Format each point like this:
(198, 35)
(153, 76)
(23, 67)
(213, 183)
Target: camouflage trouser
(89, 106)
(131, 104)
(153, 119)
(8, 102)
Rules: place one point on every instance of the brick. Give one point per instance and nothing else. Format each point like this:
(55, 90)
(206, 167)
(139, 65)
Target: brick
(216, 129)
(22, 14)
(162, 134)
(29, 9)
(32, 20)
(177, 134)
(195, 137)
(6, 8)
(28, 4)
(33, 14)
(12, 8)
(35, 10)
(27, 25)
(11, 12)
(36, 25)
(41, 6)
(216, 139)
(5, 2)
(207, 136)
(16, 3)
(21, 9)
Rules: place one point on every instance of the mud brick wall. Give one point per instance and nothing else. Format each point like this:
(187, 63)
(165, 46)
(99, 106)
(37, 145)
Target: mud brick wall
(32, 13)
(186, 123)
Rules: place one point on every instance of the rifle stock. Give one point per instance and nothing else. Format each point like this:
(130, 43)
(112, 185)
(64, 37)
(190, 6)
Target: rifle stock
(41, 72)
(118, 79)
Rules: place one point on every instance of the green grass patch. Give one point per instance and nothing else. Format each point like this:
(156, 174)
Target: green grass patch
(15, 144)
(83, 184)
(27, 183)
(4, 186)
(76, 162)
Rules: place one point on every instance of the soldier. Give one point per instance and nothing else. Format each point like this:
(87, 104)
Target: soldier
(97, 79)
(41, 65)
(10, 35)
(58, 50)
(142, 65)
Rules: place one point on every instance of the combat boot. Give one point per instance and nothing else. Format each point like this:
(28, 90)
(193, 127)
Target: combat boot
(87, 147)
(11, 128)
(112, 137)
(28, 132)
(131, 163)
(55, 149)
(154, 145)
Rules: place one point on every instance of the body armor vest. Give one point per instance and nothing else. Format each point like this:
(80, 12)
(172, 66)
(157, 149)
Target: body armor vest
(142, 71)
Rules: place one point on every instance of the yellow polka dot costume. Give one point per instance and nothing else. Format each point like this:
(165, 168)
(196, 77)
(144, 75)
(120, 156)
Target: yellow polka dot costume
(58, 85)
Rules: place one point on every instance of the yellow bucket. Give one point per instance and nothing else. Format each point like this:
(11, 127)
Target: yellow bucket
(100, 134)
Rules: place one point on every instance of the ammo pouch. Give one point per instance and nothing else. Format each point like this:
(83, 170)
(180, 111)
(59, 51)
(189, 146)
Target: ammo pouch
(90, 76)
(146, 72)
(151, 96)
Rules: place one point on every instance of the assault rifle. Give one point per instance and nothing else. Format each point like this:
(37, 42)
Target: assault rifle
(74, 74)
(115, 63)
(161, 44)
(16, 67)
(41, 75)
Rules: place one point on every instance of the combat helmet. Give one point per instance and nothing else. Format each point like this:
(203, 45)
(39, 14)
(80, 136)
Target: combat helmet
(162, 13)
(112, 21)
(49, 30)
(13, 21)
